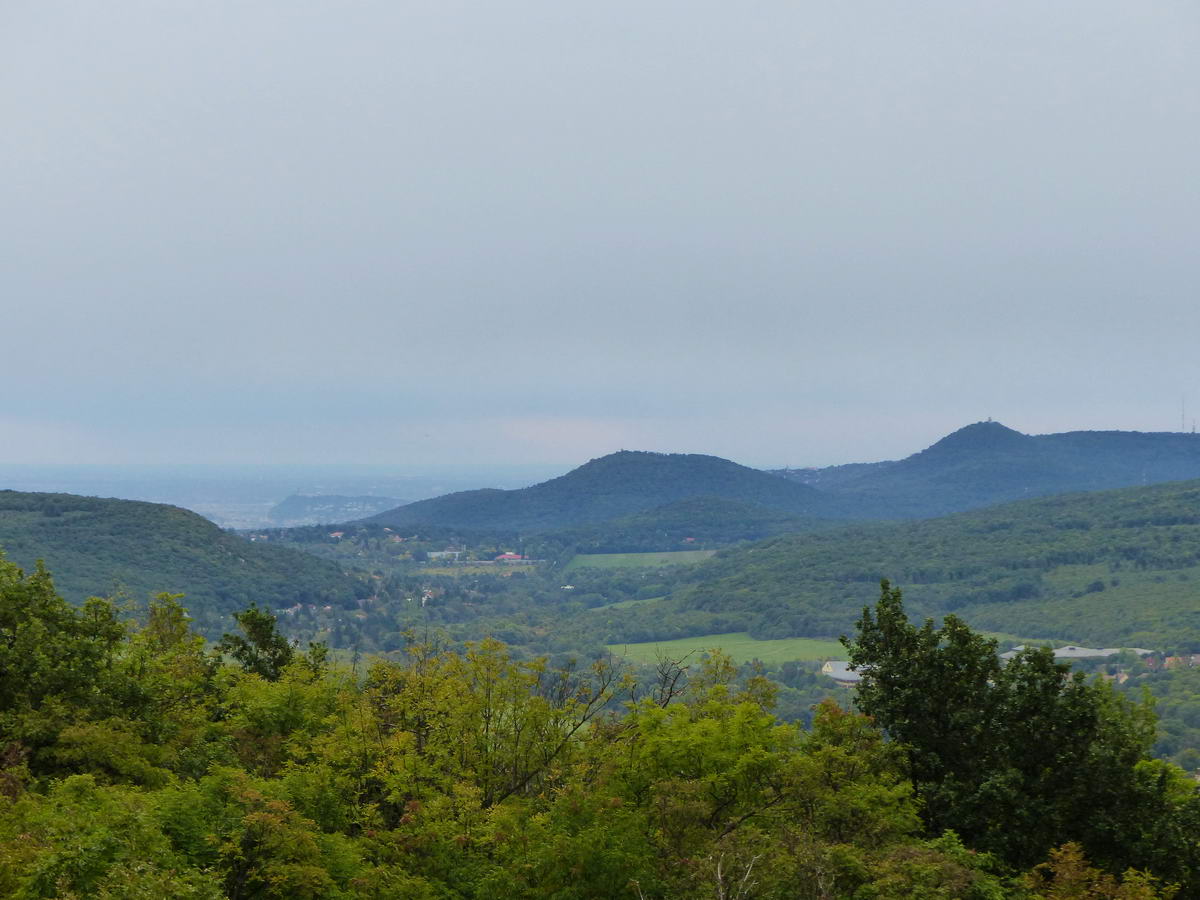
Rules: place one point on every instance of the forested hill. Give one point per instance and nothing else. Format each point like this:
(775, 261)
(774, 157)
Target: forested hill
(988, 463)
(98, 547)
(610, 487)
(1108, 568)
(694, 522)
(980, 465)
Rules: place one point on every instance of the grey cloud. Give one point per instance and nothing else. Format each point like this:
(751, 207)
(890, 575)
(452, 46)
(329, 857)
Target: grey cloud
(783, 229)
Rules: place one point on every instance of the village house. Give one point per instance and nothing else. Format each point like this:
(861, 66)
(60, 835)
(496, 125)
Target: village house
(1081, 652)
(839, 670)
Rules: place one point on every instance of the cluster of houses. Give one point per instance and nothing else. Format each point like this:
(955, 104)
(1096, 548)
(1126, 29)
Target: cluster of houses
(1180, 662)
(839, 670)
(454, 556)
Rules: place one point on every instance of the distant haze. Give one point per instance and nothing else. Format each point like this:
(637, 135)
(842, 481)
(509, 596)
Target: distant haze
(242, 496)
(417, 233)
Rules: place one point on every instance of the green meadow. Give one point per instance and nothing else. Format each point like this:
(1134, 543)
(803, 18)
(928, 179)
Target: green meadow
(458, 571)
(738, 644)
(637, 560)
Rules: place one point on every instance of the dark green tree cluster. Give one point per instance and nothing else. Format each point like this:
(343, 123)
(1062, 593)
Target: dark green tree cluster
(104, 546)
(1023, 756)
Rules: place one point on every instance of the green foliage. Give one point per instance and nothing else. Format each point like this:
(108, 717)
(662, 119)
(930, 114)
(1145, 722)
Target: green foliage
(263, 650)
(1025, 568)
(83, 839)
(49, 651)
(136, 764)
(1176, 694)
(1066, 875)
(1022, 757)
(54, 659)
(697, 522)
(104, 547)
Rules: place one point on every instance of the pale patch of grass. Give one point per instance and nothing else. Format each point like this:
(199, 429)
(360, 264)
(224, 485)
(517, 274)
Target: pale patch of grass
(637, 560)
(474, 570)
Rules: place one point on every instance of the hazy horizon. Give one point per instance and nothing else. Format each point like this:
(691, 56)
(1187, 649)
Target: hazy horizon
(498, 472)
(452, 234)
(241, 495)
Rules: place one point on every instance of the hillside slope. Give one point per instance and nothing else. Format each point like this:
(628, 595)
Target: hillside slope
(102, 547)
(1113, 567)
(988, 463)
(613, 486)
(695, 522)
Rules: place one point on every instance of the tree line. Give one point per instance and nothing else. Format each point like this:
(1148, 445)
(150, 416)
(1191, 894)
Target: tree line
(138, 761)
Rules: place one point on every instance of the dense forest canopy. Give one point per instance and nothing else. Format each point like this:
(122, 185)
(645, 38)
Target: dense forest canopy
(1114, 568)
(135, 762)
(127, 548)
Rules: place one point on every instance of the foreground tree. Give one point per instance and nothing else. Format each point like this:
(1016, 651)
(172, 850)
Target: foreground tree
(262, 650)
(1023, 757)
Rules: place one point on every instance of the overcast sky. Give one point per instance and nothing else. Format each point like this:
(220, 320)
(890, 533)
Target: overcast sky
(414, 232)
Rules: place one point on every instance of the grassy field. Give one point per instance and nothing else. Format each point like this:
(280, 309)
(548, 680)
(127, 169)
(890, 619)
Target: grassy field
(474, 570)
(624, 604)
(737, 644)
(637, 560)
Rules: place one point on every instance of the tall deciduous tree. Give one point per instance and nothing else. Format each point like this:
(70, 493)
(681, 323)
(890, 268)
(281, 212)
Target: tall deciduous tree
(57, 663)
(1021, 757)
(263, 650)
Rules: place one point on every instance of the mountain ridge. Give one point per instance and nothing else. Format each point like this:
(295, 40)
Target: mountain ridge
(986, 463)
(613, 486)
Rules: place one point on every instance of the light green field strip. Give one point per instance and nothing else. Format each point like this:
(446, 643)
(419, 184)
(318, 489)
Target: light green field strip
(625, 604)
(459, 571)
(636, 560)
(737, 644)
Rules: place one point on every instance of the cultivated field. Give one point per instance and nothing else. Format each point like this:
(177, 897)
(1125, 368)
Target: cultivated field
(637, 560)
(458, 571)
(737, 644)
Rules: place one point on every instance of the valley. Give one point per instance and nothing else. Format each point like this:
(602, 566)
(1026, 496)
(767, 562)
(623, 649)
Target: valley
(646, 554)
(680, 574)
